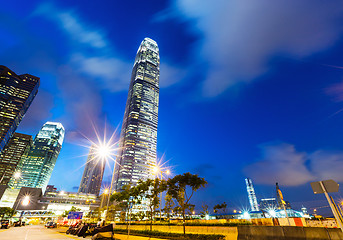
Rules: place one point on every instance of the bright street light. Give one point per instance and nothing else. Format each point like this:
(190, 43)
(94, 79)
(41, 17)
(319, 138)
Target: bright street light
(103, 151)
(106, 191)
(25, 201)
(246, 215)
(156, 169)
(17, 175)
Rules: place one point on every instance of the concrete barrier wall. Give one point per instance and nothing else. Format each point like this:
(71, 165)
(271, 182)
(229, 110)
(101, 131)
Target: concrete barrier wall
(288, 233)
(329, 223)
(299, 222)
(253, 232)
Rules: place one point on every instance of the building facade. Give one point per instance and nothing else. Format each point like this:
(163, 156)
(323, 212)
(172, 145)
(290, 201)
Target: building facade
(138, 139)
(93, 173)
(251, 195)
(14, 152)
(60, 201)
(36, 168)
(268, 203)
(16, 95)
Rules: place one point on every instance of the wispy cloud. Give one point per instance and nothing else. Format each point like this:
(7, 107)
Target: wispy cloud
(90, 65)
(240, 38)
(72, 24)
(171, 74)
(111, 71)
(336, 90)
(281, 162)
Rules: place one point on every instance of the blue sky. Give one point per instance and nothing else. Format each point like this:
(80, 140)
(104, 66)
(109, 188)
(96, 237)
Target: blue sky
(248, 88)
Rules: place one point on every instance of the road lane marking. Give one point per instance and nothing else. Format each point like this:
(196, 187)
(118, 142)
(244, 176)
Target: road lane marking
(27, 233)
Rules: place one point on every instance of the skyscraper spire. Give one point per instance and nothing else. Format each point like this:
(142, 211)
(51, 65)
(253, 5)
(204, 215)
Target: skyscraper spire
(138, 139)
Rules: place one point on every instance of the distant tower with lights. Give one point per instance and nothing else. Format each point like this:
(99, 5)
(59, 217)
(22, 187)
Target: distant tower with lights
(93, 173)
(36, 168)
(251, 195)
(16, 95)
(138, 139)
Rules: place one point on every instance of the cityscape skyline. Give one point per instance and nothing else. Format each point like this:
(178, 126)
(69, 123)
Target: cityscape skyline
(235, 103)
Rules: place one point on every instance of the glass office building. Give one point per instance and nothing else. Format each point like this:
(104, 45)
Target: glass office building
(37, 167)
(138, 139)
(16, 95)
(93, 173)
(15, 150)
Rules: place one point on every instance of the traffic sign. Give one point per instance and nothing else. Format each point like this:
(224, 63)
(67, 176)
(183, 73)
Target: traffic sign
(75, 215)
(330, 186)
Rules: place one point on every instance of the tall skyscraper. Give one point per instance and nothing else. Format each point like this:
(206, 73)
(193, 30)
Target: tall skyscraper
(93, 173)
(138, 138)
(14, 152)
(37, 167)
(16, 95)
(251, 195)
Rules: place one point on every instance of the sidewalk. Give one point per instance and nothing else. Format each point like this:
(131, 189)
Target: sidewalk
(62, 230)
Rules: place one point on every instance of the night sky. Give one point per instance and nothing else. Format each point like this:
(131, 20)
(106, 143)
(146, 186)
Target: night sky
(247, 88)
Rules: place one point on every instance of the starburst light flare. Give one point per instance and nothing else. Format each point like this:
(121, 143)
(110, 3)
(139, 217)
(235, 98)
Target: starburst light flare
(104, 146)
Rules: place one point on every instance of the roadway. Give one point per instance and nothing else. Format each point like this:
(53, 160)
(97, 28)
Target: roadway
(33, 232)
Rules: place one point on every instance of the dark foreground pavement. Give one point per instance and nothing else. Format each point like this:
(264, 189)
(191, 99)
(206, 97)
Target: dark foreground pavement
(39, 232)
(34, 232)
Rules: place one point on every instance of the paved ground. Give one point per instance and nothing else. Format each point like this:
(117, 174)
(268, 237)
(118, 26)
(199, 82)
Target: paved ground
(39, 232)
(34, 232)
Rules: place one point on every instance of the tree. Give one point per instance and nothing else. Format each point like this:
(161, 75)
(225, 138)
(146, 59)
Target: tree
(168, 205)
(112, 210)
(94, 214)
(140, 215)
(6, 212)
(178, 187)
(126, 199)
(220, 208)
(150, 189)
(204, 211)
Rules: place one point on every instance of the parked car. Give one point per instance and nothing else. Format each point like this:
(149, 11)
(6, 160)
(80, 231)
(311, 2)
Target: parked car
(50, 225)
(5, 224)
(17, 223)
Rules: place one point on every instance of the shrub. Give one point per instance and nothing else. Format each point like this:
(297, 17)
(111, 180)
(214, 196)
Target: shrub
(175, 236)
(228, 224)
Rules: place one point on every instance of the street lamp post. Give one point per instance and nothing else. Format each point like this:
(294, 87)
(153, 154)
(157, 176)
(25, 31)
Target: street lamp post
(105, 192)
(25, 200)
(103, 196)
(159, 172)
(109, 194)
